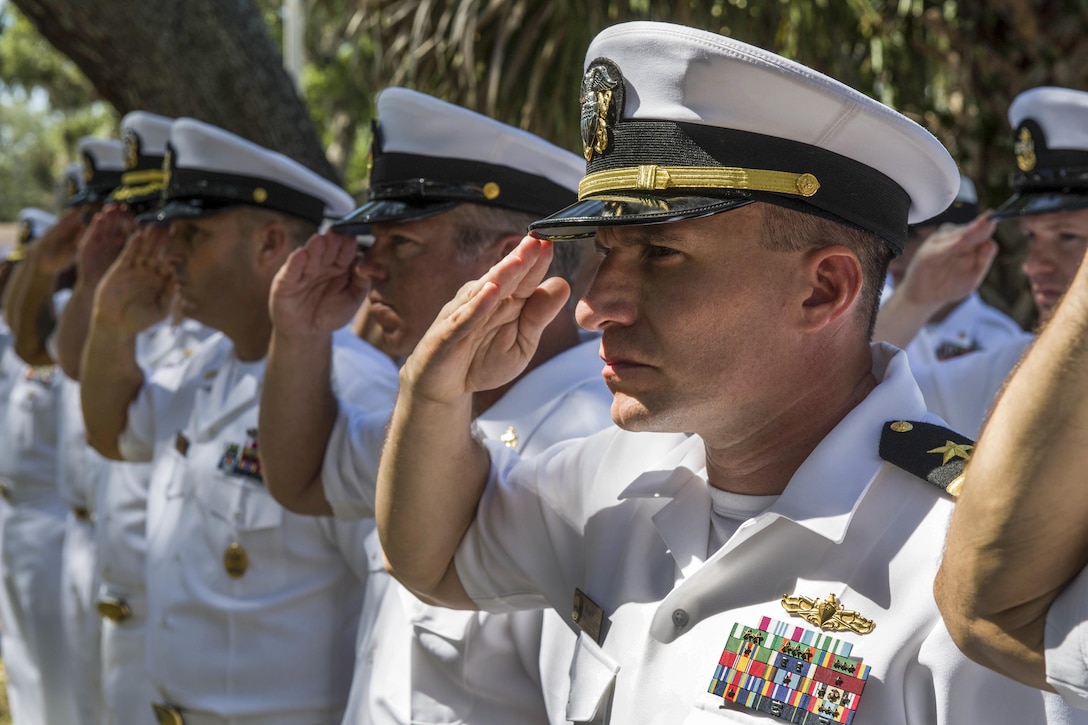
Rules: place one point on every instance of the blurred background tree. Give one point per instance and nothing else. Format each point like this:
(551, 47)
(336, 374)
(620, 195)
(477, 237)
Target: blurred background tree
(952, 65)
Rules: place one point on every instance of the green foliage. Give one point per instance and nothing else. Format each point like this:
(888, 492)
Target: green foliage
(46, 106)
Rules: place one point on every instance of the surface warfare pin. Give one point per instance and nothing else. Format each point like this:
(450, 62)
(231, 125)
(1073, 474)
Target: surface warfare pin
(242, 460)
(791, 673)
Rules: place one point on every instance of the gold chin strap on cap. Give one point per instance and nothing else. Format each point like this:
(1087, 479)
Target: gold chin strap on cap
(659, 178)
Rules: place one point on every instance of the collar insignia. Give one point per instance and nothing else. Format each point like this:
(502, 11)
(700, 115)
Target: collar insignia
(790, 673)
(509, 438)
(602, 104)
(952, 450)
(827, 614)
(1025, 150)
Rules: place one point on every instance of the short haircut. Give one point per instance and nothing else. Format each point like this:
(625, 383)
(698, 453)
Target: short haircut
(789, 230)
(298, 230)
(477, 226)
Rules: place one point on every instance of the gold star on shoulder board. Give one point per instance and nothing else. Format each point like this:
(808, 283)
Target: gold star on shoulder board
(953, 450)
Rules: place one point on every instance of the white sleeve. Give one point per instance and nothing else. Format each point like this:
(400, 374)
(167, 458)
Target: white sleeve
(349, 473)
(137, 441)
(1067, 643)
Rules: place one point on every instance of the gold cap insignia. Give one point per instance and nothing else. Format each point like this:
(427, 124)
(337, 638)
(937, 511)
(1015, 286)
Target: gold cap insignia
(88, 169)
(167, 164)
(827, 614)
(235, 560)
(132, 149)
(1025, 150)
(602, 103)
(26, 233)
(71, 186)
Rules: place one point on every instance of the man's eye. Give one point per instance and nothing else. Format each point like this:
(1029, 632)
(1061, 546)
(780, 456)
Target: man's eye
(658, 252)
(600, 249)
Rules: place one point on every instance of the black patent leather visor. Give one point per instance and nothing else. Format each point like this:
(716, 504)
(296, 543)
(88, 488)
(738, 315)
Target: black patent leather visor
(1040, 202)
(581, 220)
(381, 211)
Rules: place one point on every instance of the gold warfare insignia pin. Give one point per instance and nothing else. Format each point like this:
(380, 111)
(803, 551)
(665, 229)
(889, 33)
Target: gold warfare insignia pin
(132, 149)
(827, 614)
(602, 104)
(1025, 150)
(26, 233)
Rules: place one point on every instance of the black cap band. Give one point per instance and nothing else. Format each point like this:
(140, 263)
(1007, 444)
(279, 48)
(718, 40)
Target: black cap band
(848, 190)
(422, 180)
(216, 191)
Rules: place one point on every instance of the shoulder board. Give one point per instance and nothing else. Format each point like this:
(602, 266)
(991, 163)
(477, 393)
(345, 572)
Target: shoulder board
(931, 452)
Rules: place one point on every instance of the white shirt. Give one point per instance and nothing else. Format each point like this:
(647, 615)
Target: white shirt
(424, 664)
(1066, 642)
(962, 390)
(971, 327)
(28, 427)
(625, 517)
(252, 610)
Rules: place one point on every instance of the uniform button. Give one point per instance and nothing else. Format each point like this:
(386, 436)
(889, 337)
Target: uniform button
(680, 619)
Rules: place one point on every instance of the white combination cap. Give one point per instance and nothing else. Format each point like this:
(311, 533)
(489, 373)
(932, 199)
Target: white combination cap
(103, 162)
(144, 136)
(209, 170)
(964, 207)
(32, 224)
(679, 123)
(1050, 139)
(427, 156)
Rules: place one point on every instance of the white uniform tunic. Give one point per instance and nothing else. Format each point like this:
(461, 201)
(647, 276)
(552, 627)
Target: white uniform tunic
(252, 610)
(39, 689)
(424, 664)
(971, 327)
(127, 691)
(626, 518)
(962, 391)
(1067, 643)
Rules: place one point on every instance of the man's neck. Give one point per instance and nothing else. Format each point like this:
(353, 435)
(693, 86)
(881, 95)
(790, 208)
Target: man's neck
(762, 460)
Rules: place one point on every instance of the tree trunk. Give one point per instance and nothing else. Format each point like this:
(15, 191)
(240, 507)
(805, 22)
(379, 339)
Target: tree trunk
(208, 59)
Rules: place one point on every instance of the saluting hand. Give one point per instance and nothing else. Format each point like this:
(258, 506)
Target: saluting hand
(55, 251)
(487, 334)
(101, 243)
(951, 263)
(320, 287)
(136, 291)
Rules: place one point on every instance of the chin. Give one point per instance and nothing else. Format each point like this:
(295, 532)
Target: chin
(633, 415)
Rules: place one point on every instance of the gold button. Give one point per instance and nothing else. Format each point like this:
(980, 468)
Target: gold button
(902, 426)
(807, 185)
(260, 195)
(491, 190)
(113, 609)
(235, 560)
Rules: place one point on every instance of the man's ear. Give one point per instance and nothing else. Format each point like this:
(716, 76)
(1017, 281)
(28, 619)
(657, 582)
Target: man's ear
(505, 245)
(274, 243)
(834, 278)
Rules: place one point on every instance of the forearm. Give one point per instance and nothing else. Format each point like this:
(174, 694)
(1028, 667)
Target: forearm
(111, 380)
(297, 414)
(29, 312)
(72, 328)
(430, 481)
(1018, 535)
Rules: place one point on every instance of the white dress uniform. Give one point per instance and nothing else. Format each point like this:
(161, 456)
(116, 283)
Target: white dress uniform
(421, 664)
(963, 390)
(81, 473)
(1067, 643)
(971, 327)
(629, 520)
(33, 536)
(127, 691)
(251, 610)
